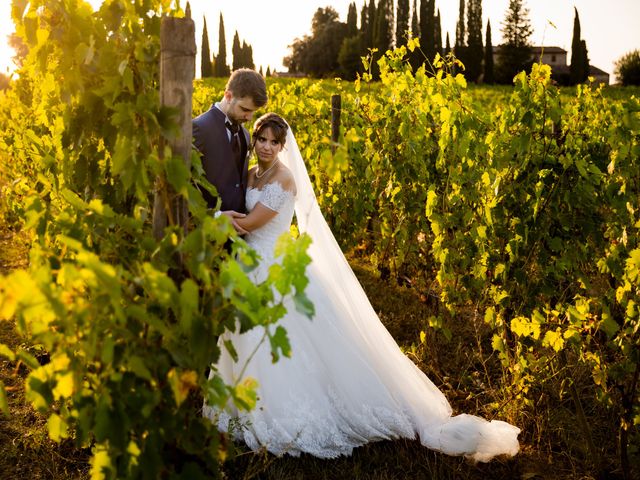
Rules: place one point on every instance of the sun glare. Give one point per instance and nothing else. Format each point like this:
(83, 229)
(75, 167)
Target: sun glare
(6, 27)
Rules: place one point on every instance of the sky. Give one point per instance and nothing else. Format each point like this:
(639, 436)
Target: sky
(610, 28)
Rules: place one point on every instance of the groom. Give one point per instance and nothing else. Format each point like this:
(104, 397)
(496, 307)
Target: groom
(224, 143)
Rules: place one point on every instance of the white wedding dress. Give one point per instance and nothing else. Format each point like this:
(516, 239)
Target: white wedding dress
(347, 382)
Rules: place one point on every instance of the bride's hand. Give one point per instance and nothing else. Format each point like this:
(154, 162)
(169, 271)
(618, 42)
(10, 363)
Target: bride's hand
(232, 215)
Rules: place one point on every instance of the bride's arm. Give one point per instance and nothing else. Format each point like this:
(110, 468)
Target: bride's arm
(259, 216)
(261, 213)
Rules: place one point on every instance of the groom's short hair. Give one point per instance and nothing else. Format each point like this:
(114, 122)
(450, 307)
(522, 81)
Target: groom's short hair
(245, 82)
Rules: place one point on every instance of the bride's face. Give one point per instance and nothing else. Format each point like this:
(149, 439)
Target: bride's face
(266, 146)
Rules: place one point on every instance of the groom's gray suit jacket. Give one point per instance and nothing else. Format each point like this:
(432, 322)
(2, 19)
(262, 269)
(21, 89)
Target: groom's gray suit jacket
(211, 139)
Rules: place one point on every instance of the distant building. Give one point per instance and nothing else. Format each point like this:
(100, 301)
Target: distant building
(556, 58)
(552, 56)
(600, 76)
(289, 74)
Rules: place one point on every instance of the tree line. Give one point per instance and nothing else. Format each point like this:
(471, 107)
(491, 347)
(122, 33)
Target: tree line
(336, 48)
(216, 65)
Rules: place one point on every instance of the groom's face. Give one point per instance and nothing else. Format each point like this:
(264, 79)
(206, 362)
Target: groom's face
(241, 109)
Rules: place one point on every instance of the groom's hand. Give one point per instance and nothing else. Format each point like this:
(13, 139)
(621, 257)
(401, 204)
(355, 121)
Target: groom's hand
(232, 215)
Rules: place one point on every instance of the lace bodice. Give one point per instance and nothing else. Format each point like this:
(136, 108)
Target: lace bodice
(275, 197)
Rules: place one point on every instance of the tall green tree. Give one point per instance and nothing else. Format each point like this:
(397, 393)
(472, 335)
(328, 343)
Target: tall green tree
(221, 66)
(317, 54)
(579, 67)
(368, 27)
(247, 56)
(474, 51)
(384, 26)
(402, 22)
(515, 54)
(627, 68)
(460, 47)
(415, 24)
(383, 31)
(461, 32)
(575, 68)
(428, 28)
(352, 20)
(349, 55)
(416, 58)
(585, 60)
(205, 60)
(438, 34)
(236, 52)
(447, 47)
(488, 56)
(364, 25)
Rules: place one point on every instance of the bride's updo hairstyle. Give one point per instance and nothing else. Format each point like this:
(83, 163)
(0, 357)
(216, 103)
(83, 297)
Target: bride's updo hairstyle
(273, 121)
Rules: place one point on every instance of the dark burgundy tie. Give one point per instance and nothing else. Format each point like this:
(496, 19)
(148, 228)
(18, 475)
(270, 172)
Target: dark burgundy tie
(235, 145)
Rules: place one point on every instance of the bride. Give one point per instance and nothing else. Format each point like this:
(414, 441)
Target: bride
(347, 382)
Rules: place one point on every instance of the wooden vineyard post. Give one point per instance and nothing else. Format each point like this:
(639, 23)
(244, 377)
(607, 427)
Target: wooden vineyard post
(177, 71)
(336, 107)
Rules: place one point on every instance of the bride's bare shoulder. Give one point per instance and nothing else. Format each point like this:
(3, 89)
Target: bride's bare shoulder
(285, 178)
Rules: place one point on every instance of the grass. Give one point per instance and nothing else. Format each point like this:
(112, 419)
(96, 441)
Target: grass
(552, 445)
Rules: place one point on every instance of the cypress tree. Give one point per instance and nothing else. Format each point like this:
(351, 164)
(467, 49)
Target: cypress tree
(427, 28)
(268, 74)
(364, 22)
(460, 28)
(585, 61)
(438, 34)
(488, 56)
(383, 32)
(575, 68)
(423, 24)
(236, 52)
(368, 27)
(459, 49)
(474, 50)
(247, 55)
(371, 32)
(352, 21)
(415, 57)
(447, 48)
(205, 60)
(402, 22)
(221, 67)
(384, 25)
(415, 26)
(579, 68)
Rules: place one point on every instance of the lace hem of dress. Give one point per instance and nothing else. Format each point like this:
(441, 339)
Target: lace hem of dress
(330, 434)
